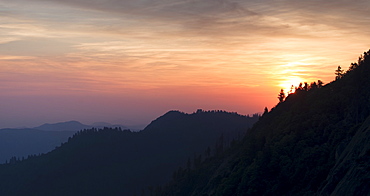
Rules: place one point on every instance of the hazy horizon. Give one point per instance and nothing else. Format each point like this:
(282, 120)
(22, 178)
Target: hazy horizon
(135, 125)
(128, 62)
(35, 125)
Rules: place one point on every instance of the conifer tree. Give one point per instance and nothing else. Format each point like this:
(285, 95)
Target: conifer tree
(291, 90)
(313, 85)
(281, 96)
(338, 73)
(319, 83)
(305, 87)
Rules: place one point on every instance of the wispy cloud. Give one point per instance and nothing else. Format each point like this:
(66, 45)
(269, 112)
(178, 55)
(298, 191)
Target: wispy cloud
(112, 46)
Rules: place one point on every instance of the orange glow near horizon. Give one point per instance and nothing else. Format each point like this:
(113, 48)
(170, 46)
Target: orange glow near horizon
(151, 57)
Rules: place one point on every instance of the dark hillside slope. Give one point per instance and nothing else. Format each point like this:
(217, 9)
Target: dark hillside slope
(351, 173)
(24, 142)
(116, 162)
(297, 148)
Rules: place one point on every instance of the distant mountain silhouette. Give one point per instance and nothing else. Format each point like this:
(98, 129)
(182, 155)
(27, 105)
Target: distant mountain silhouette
(63, 126)
(316, 142)
(118, 162)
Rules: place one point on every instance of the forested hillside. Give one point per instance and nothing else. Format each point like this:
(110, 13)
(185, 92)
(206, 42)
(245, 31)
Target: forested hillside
(23, 142)
(315, 142)
(120, 162)
(20, 143)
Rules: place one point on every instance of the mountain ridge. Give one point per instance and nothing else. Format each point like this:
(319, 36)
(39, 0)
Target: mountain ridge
(128, 161)
(297, 147)
(63, 126)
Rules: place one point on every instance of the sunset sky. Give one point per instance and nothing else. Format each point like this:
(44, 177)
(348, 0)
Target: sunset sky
(129, 61)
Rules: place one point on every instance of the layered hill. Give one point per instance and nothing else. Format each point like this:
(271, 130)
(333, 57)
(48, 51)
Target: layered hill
(120, 162)
(23, 142)
(74, 126)
(63, 126)
(316, 142)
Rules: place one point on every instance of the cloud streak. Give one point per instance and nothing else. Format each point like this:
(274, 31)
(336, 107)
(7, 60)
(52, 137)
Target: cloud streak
(149, 47)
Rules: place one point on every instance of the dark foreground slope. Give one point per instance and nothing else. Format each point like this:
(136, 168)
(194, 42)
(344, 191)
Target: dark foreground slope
(118, 162)
(316, 142)
(351, 172)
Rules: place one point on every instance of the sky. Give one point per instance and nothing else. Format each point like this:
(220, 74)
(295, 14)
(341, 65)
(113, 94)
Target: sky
(130, 61)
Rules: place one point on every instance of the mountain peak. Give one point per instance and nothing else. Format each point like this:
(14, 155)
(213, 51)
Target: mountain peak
(123, 159)
(315, 142)
(63, 126)
(176, 121)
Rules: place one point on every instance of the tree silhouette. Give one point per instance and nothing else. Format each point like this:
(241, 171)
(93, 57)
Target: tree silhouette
(353, 66)
(313, 85)
(300, 86)
(319, 83)
(281, 96)
(305, 87)
(338, 73)
(291, 91)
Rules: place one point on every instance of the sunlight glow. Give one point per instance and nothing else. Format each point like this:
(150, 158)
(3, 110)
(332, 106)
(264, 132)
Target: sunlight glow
(149, 57)
(289, 81)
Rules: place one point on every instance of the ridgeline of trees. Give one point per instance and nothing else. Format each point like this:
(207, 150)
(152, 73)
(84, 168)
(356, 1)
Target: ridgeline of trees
(315, 142)
(339, 73)
(297, 89)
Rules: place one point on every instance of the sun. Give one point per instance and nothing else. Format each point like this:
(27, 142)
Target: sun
(287, 83)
